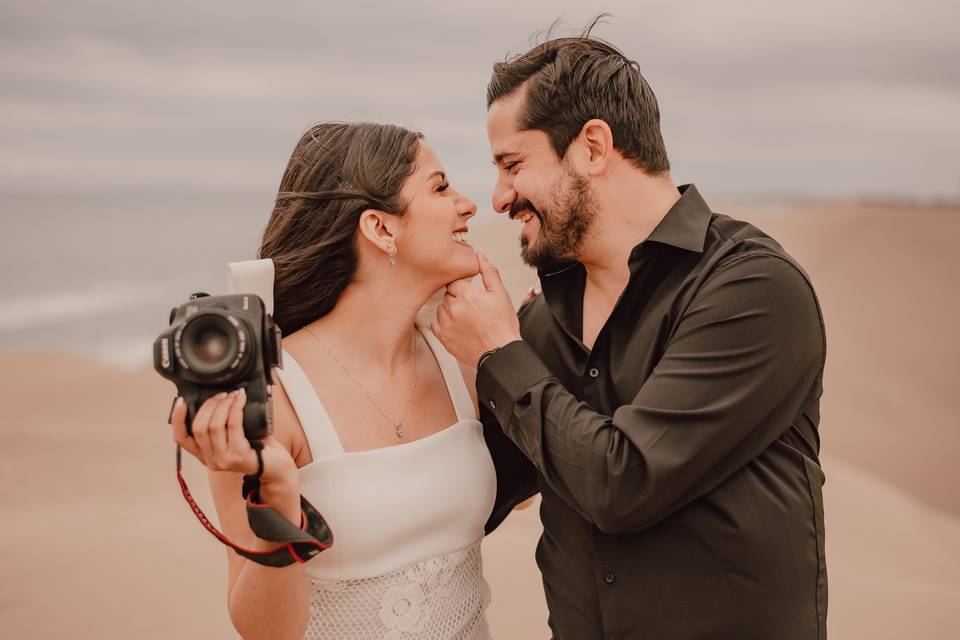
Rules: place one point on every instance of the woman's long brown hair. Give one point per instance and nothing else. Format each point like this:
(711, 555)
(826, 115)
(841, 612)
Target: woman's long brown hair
(336, 171)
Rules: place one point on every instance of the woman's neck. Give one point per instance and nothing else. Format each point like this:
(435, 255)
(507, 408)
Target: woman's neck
(372, 323)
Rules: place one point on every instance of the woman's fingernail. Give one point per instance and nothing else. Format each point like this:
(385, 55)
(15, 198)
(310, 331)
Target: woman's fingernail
(242, 393)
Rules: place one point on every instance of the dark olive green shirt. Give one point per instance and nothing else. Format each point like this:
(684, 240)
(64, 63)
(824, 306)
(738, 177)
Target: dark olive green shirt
(678, 458)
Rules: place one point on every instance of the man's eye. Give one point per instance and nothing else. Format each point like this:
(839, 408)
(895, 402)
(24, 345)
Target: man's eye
(510, 166)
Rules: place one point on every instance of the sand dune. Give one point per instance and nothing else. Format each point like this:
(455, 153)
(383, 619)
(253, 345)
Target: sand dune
(98, 543)
(886, 276)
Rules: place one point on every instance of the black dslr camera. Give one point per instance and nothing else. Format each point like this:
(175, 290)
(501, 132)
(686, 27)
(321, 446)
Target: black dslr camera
(221, 343)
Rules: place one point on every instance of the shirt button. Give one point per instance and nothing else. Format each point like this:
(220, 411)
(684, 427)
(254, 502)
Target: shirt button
(609, 578)
(594, 373)
(493, 405)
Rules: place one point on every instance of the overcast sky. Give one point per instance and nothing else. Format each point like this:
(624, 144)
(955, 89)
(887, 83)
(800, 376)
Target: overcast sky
(813, 98)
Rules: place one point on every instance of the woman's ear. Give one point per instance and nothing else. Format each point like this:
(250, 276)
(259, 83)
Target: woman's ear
(377, 227)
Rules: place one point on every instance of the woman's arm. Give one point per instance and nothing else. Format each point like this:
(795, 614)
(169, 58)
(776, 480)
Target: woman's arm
(470, 379)
(516, 476)
(263, 602)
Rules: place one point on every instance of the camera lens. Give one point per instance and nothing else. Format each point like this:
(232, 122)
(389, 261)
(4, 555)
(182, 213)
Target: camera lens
(213, 344)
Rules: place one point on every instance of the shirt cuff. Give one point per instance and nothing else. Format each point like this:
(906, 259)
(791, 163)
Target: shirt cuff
(505, 375)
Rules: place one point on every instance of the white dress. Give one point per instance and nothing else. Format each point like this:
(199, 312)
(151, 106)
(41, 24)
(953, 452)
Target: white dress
(407, 522)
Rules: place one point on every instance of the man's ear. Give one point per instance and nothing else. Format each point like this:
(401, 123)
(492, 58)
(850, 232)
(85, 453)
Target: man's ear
(378, 228)
(596, 141)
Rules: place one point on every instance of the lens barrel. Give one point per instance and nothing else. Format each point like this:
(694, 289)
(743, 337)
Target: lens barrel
(213, 344)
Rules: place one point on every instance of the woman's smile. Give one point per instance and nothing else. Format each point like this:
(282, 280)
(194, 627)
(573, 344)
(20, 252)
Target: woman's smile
(460, 236)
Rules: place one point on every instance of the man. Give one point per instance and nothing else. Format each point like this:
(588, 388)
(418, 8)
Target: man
(665, 385)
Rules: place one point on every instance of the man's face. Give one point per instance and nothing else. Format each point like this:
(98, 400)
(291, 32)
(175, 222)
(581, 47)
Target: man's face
(534, 186)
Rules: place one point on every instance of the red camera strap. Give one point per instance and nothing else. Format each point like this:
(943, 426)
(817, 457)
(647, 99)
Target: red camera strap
(299, 544)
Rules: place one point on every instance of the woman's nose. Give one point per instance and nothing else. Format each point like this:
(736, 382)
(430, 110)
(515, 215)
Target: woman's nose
(467, 207)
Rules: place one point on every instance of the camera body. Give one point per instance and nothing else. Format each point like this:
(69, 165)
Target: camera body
(222, 343)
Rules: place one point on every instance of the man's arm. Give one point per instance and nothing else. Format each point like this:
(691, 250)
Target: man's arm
(516, 475)
(744, 357)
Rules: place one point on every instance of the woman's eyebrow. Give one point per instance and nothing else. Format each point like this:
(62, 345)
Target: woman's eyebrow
(442, 175)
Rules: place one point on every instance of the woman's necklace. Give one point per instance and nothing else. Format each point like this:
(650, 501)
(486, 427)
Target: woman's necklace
(398, 424)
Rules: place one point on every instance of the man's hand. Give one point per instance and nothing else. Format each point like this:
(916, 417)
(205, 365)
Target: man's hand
(471, 321)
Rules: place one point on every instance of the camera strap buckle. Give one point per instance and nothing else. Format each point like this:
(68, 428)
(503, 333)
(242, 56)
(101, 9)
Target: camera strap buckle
(298, 544)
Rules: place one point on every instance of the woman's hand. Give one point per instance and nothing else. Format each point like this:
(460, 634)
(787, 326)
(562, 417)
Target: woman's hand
(219, 443)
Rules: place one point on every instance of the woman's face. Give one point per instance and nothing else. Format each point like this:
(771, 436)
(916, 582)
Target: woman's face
(432, 233)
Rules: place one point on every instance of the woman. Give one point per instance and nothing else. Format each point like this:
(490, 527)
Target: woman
(375, 423)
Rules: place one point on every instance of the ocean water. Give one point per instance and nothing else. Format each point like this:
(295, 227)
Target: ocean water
(96, 276)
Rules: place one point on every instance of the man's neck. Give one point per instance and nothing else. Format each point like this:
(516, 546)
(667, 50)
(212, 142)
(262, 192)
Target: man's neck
(629, 209)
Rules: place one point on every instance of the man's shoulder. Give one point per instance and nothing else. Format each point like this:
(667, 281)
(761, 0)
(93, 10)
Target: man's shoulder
(726, 229)
(532, 311)
(730, 240)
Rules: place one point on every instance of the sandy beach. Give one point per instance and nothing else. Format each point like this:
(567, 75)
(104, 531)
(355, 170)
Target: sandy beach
(98, 543)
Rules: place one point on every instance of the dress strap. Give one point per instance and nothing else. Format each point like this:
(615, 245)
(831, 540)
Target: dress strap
(457, 388)
(317, 426)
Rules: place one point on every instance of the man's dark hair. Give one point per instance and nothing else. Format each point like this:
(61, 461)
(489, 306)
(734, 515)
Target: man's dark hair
(575, 79)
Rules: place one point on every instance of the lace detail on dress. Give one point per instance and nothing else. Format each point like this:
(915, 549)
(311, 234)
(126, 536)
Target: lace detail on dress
(441, 598)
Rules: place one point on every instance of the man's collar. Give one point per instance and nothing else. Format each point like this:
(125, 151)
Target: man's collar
(685, 225)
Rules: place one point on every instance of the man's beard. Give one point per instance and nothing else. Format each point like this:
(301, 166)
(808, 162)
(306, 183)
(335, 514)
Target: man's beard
(564, 224)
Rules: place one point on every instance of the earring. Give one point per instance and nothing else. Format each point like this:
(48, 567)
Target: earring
(392, 254)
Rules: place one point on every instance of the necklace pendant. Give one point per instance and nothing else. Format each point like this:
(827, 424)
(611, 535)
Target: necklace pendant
(399, 430)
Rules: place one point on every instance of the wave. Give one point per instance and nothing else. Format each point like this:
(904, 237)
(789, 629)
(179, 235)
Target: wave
(51, 308)
(134, 354)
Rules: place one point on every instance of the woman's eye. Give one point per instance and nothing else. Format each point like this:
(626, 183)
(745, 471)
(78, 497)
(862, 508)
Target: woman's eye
(444, 186)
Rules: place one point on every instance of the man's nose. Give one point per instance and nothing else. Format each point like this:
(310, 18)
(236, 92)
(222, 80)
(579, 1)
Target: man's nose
(504, 195)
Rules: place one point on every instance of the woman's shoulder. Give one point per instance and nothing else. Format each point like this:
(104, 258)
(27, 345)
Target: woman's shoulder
(470, 379)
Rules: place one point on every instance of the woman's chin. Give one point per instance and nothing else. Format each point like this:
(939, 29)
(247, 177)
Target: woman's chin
(464, 265)
(456, 265)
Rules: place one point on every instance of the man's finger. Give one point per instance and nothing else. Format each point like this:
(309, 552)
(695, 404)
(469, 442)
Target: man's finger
(443, 313)
(458, 287)
(489, 274)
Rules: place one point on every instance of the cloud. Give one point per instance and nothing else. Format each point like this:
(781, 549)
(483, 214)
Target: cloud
(812, 98)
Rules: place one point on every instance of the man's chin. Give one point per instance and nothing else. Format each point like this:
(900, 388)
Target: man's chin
(527, 254)
(542, 261)
(543, 264)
